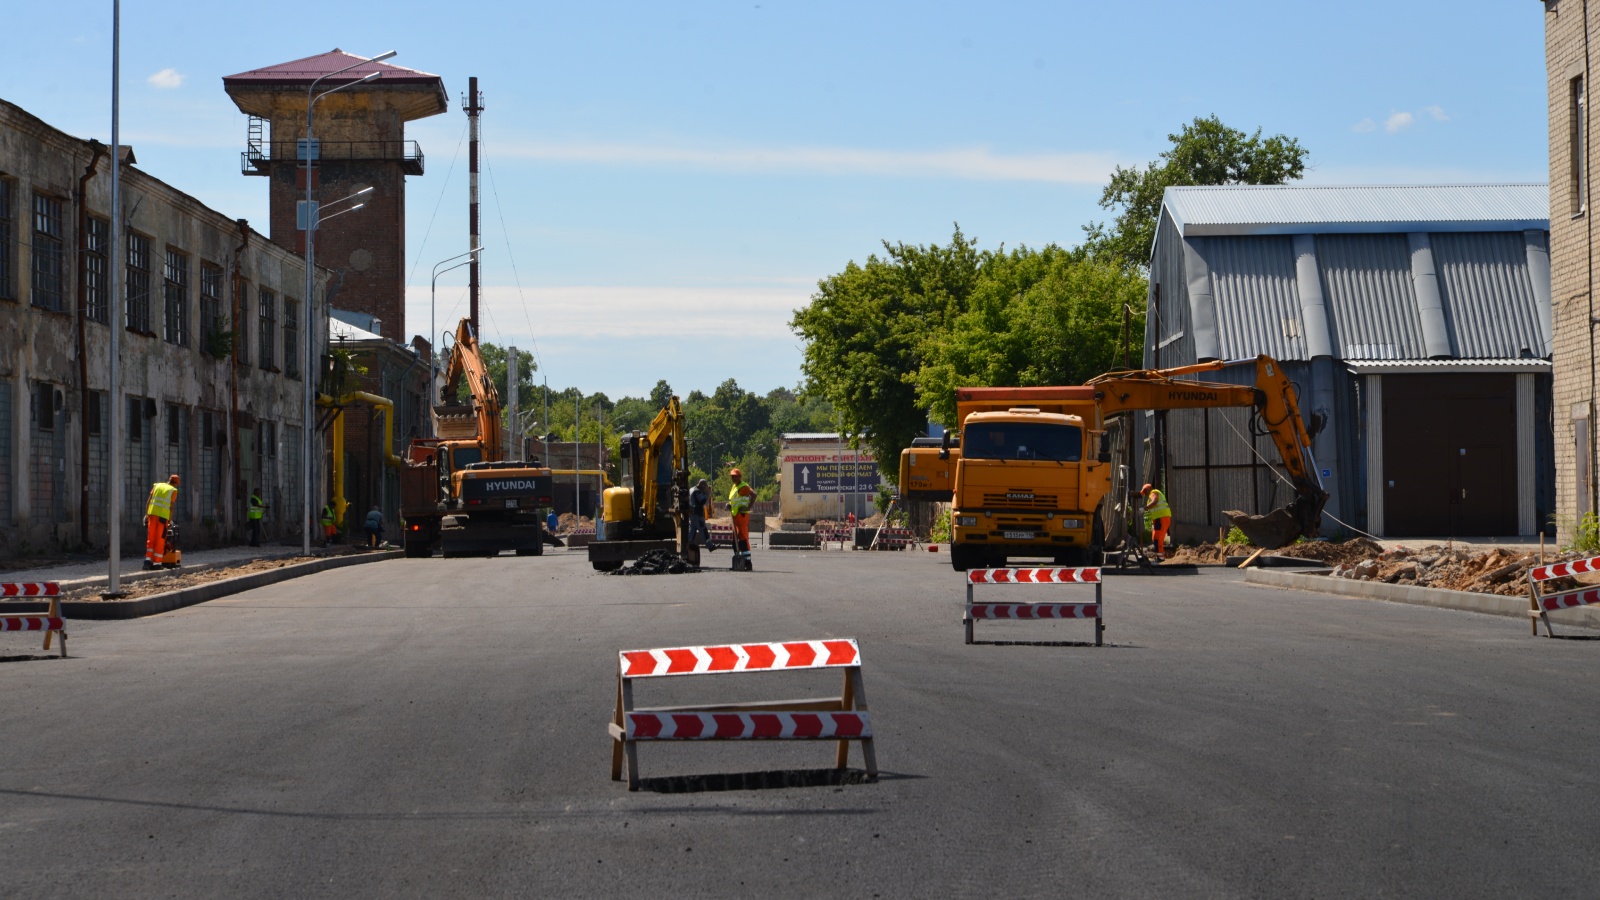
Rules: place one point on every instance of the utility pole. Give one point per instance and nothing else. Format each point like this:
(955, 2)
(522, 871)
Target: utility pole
(474, 106)
(515, 423)
(547, 424)
(577, 461)
(115, 301)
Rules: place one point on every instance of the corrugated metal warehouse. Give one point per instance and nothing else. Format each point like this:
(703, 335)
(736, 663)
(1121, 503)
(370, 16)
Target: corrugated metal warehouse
(1416, 321)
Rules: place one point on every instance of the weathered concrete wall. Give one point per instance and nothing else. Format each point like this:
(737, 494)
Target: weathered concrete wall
(184, 384)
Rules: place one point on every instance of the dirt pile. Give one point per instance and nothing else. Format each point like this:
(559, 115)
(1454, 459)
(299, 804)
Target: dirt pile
(178, 579)
(1499, 571)
(567, 523)
(657, 562)
(1495, 571)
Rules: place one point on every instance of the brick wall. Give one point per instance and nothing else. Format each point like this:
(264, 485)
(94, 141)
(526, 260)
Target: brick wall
(1572, 240)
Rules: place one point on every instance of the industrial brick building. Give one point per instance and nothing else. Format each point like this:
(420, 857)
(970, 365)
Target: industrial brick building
(1416, 321)
(210, 351)
(1572, 257)
(360, 144)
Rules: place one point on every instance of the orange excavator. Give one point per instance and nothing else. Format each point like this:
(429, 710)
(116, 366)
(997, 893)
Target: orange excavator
(458, 491)
(1031, 473)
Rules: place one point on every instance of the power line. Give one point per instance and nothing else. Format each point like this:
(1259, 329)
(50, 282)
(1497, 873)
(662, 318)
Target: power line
(420, 254)
(506, 235)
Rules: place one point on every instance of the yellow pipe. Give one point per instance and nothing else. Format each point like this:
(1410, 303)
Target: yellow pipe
(340, 505)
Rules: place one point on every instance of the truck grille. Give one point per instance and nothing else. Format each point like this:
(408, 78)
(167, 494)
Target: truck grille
(1020, 500)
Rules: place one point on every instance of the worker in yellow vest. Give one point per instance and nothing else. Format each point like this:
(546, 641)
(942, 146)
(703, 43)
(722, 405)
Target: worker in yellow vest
(330, 531)
(740, 498)
(163, 496)
(1157, 517)
(258, 508)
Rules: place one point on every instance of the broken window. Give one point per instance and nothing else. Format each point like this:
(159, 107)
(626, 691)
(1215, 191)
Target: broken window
(97, 274)
(211, 324)
(8, 242)
(175, 291)
(291, 337)
(48, 282)
(139, 283)
(48, 454)
(267, 328)
(241, 321)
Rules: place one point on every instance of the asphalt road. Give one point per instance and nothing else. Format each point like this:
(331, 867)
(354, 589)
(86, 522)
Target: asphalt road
(438, 727)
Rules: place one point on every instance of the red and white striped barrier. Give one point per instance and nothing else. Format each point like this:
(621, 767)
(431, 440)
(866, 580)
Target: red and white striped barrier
(893, 539)
(738, 658)
(842, 719)
(1540, 604)
(826, 536)
(644, 726)
(50, 623)
(1085, 575)
(1057, 576)
(9, 590)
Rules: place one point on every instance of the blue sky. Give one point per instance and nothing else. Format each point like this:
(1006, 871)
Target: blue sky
(673, 179)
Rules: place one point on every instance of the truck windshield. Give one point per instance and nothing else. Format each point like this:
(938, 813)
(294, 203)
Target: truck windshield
(466, 456)
(1022, 440)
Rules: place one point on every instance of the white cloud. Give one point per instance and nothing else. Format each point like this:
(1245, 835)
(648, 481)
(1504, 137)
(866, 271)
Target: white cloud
(1364, 126)
(581, 311)
(974, 163)
(1399, 121)
(1436, 112)
(166, 79)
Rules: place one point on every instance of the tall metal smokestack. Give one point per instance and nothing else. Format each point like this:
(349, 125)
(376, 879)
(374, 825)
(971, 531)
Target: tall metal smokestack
(474, 106)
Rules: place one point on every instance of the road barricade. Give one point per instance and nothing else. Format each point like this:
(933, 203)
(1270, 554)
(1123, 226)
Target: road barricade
(1540, 604)
(826, 536)
(1049, 610)
(50, 623)
(842, 719)
(893, 539)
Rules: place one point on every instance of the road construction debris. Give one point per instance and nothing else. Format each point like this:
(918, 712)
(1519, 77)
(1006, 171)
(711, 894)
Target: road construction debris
(1497, 570)
(657, 562)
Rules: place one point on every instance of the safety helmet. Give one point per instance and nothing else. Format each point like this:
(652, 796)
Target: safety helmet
(733, 473)
(1145, 489)
(702, 483)
(173, 480)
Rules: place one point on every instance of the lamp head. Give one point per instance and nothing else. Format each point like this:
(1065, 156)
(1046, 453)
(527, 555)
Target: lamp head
(383, 56)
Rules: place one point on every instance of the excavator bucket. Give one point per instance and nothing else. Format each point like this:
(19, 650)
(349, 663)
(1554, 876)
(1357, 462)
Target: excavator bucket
(1278, 528)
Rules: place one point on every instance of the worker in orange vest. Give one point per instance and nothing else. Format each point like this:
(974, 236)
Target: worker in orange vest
(740, 498)
(163, 496)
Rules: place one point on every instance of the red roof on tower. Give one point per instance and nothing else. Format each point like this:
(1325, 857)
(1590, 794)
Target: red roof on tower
(304, 71)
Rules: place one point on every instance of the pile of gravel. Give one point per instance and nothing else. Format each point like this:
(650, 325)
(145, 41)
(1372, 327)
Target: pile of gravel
(657, 562)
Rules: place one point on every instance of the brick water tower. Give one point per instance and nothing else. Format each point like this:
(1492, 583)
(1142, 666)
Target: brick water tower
(361, 142)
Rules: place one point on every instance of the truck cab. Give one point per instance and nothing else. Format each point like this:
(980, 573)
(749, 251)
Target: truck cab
(1019, 489)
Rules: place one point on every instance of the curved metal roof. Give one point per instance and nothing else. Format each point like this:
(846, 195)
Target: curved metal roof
(1356, 209)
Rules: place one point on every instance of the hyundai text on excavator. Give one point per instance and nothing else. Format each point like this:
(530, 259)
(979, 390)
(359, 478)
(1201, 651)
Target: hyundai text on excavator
(1032, 474)
(648, 510)
(457, 489)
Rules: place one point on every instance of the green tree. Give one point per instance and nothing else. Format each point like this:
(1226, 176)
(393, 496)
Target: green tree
(1205, 152)
(1042, 317)
(865, 329)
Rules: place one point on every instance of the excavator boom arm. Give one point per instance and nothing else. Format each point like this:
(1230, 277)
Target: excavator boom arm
(466, 362)
(1278, 407)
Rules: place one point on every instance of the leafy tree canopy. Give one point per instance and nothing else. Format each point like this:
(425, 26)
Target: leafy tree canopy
(1205, 152)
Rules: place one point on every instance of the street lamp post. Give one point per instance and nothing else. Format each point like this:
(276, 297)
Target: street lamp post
(310, 424)
(433, 304)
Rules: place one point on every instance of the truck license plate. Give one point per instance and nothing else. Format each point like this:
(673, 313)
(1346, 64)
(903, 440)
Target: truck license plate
(1019, 535)
(511, 503)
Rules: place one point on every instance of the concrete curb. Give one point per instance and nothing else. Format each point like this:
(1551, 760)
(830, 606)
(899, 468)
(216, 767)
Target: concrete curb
(1468, 601)
(200, 593)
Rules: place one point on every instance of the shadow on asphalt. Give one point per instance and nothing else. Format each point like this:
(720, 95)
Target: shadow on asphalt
(32, 657)
(1107, 646)
(1156, 571)
(1559, 637)
(758, 781)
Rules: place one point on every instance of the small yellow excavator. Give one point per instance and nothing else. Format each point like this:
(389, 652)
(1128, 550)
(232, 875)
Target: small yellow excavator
(649, 509)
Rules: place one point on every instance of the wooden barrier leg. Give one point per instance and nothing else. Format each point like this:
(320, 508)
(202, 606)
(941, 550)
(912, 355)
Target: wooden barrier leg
(1548, 631)
(1099, 610)
(860, 690)
(630, 749)
(53, 611)
(847, 699)
(966, 617)
(1533, 605)
(616, 745)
